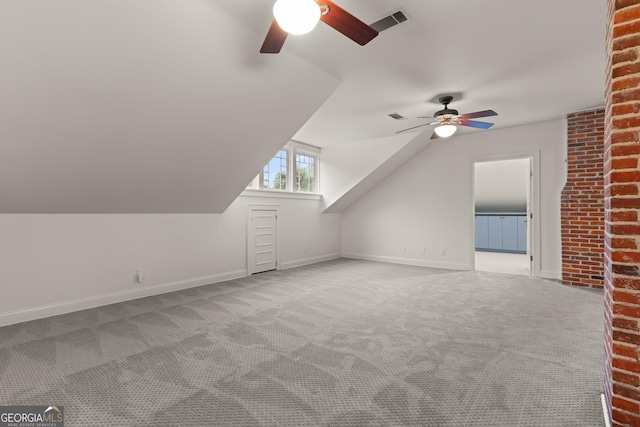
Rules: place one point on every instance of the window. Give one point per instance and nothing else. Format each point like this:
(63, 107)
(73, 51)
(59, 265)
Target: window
(293, 169)
(274, 174)
(305, 173)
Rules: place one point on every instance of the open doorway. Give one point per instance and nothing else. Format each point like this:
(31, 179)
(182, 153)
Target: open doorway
(502, 201)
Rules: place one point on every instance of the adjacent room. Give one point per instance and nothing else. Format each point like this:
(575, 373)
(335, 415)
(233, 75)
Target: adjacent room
(208, 219)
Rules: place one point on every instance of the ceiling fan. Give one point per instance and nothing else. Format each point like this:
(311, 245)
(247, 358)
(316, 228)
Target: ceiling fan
(291, 15)
(448, 118)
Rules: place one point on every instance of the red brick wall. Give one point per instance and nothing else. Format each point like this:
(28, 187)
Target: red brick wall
(622, 203)
(582, 205)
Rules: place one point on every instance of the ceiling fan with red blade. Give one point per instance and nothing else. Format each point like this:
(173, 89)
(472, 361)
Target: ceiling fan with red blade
(448, 118)
(329, 13)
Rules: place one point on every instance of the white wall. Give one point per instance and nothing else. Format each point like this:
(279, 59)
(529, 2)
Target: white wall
(51, 264)
(428, 203)
(501, 186)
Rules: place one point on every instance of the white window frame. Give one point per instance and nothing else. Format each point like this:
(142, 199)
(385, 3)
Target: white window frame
(293, 148)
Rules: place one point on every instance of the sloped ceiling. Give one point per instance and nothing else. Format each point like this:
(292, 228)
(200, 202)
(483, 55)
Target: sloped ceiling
(140, 106)
(158, 106)
(530, 61)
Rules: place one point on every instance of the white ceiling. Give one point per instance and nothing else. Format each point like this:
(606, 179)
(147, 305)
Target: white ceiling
(160, 106)
(530, 61)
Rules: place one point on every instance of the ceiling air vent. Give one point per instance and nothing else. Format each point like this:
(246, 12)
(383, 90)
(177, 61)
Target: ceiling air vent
(396, 116)
(392, 20)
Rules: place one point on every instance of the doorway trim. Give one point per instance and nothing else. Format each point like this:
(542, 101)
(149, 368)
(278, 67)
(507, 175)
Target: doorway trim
(251, 209)
(533, 246)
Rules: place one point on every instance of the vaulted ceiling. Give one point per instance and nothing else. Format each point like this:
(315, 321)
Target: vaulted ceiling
(167, 106)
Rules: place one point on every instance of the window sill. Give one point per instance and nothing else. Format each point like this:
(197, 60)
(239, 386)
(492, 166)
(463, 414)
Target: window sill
(280, 194)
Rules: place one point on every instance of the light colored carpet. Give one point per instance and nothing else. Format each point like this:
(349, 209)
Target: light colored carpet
(340, 343)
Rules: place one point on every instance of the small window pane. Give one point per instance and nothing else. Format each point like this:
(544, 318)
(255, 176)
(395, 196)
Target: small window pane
(305, 173)
(275, 172)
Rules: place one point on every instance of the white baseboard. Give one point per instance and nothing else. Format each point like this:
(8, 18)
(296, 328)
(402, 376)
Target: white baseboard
(605, 411)
(552, 275)
(408, 261)
(40, 312)
(307, 261)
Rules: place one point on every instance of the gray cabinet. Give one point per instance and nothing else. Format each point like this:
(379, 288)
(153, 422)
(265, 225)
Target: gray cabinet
(495, 232)
(482, 231)
(501, 233)
(522, 233)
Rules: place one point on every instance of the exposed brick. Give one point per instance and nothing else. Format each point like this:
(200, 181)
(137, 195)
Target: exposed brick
(621, 257)
(626, 270)
(624, 190)
(626, 42)
(625, 418)
(630, 352)
(625, 70)
(626, 324)
(626, 56)
(628, 13)
(622, 243)
(628, 392)
(625, 377)
(626, 405)
(582, 207)
(627, 283)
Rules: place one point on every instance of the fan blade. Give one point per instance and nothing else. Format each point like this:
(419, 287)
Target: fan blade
(347, 24)
(434, 136)
(419, 126)
(476, 124)
(477, 114)
(274, 40)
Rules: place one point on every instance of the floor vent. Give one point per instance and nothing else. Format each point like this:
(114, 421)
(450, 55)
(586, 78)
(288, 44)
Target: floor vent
(389, 21)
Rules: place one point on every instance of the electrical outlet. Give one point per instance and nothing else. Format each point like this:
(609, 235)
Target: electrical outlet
(443, 252)
(404, 249)
(139, 275)
(423, 250)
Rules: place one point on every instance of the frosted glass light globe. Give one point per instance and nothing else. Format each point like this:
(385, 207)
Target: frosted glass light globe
(446, 130)
(296, 16)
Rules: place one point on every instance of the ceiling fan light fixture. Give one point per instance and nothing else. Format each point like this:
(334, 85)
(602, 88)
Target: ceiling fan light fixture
(296, 16)
(445, 130)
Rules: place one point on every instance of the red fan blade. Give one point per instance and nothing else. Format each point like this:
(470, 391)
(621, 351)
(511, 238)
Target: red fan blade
(477, 114)
(274, 40)
(419, 126)
(475, 124)
(347, 24)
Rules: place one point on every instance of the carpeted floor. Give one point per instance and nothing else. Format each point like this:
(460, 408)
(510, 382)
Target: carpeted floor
(340, 343)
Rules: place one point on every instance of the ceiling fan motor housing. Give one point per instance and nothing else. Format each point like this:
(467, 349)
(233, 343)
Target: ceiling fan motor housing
(446, 112)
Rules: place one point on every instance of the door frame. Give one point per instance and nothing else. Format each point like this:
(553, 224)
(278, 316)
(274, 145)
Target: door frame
(251, 208)
(533, 198)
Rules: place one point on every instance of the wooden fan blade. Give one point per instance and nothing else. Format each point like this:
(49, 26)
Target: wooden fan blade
(476, 124)
(274, 40)
(347, 24)
(419, 126)
(477, 114)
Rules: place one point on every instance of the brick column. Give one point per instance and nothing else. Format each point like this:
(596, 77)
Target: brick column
(622, 202)
(582, 205)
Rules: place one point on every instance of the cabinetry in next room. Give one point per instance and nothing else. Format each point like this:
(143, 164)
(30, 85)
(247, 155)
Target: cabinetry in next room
(501, 233)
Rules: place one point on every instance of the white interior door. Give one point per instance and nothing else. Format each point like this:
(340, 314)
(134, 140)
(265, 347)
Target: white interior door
(262, 241)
